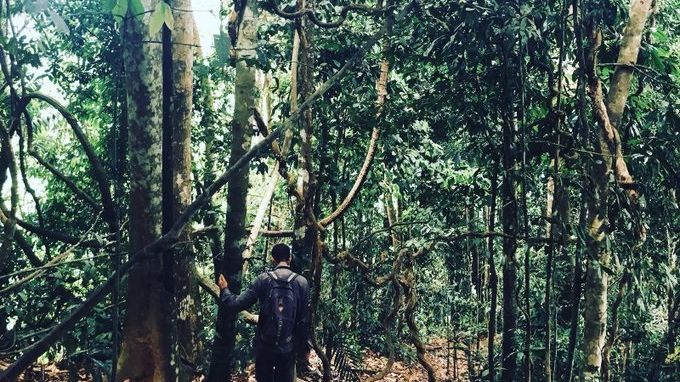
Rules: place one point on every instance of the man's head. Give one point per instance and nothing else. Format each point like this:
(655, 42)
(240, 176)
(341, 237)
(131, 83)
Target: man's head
(281, 253)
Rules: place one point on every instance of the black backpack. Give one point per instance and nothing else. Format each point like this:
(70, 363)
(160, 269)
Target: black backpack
(279, 314)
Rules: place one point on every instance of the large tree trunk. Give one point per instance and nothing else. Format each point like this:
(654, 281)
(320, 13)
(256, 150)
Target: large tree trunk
(609, 147)
(145, 351)
(237, 190)
(186, 298)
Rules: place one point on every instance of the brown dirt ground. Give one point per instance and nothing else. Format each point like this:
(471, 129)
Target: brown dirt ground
(401, 372)
(371, 364)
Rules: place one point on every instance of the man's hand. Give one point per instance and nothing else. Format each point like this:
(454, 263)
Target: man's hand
(222, 282)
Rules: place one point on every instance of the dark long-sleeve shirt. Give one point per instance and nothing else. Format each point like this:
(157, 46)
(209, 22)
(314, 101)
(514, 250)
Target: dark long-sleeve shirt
(259, 290)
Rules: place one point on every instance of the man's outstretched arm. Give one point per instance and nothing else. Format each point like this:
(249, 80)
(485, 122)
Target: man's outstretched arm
(237, 302)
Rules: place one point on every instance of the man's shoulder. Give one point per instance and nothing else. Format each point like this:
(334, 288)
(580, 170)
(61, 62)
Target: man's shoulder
(261, 280)
(301, 280)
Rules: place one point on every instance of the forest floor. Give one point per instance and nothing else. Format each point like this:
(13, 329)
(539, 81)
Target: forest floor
(371, 364)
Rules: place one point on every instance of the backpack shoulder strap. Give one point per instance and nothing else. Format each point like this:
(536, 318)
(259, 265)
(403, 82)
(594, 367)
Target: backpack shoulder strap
(292, 277)
(273, 275)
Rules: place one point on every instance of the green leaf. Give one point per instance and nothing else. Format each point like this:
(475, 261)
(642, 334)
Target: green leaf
(656, 58)
(36, 6)
(659, 36)
(120, 9)
(136, 7)
(58, 22)
(157, 18)
(169, 20)
(107, 5)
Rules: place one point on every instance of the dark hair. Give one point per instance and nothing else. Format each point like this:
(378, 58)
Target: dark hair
(281, 252)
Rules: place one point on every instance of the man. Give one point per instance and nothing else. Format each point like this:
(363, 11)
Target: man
(282, 327)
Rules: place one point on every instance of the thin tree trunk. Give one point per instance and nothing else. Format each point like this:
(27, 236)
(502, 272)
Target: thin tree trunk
(256, 224)
(613, 330)
(576, 292)
(186, 297)
(381, 87)
(145, 350)
(408, 282)
(274, 172)
(581, 135)
(547, 302)
(672, 303)
(245, 90)
(556, 209)
(521, 113)
(628, 55)
(304, 235)
(493, 275)
(611, 158)
(509, 224)
(475, 284)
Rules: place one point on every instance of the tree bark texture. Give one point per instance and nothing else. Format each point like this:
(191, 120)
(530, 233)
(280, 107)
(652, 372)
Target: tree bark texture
(145, 350)
(493, 276)
(509, 224)
(304, 237)
(614, 328)
(609, 148)
(186, 298)
(628, 55)
(245, 92)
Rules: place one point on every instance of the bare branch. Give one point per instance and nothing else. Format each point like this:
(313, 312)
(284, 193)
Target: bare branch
(57, 235)
(49, 266)
(358, 182)
(10, 222)
(98, 171)
(68, 181)
(24, 176)
(41, 270)
(22, 243)
(282, 233)
(276, 148)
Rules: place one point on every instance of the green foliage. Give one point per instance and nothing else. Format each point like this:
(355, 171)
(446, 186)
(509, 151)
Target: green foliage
(136, 7)
(161, 15)
(119, 9)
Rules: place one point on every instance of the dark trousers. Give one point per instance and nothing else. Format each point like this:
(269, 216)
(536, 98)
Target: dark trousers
(274, 367)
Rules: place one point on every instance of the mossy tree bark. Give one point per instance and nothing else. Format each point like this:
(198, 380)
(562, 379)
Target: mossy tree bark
(186, 295)
(145, 351)
(245, 95)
